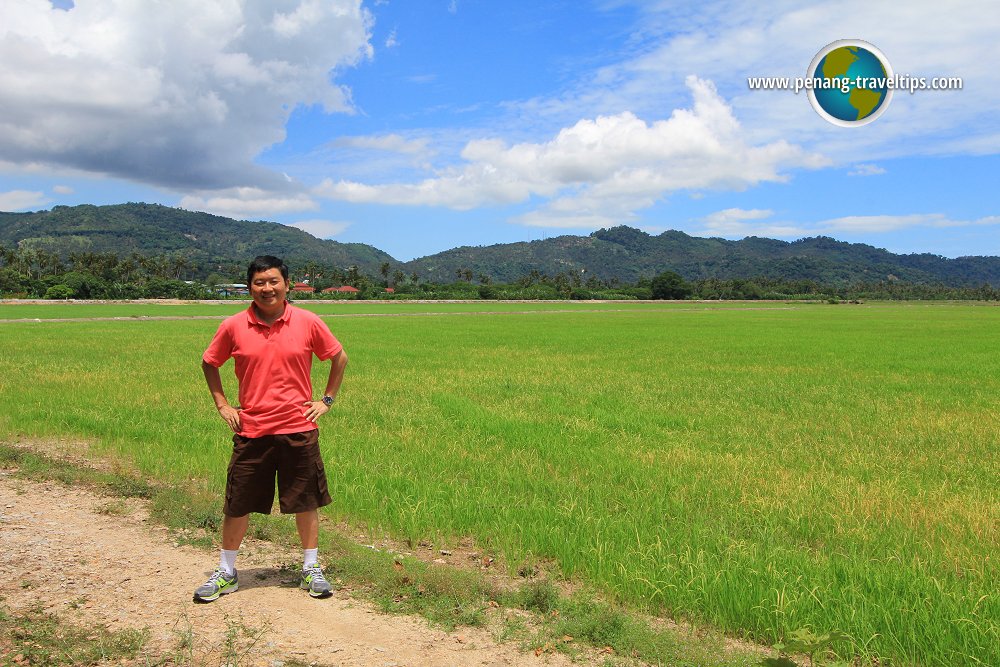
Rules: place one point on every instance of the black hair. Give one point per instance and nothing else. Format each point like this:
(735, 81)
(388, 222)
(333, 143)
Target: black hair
(263, 263)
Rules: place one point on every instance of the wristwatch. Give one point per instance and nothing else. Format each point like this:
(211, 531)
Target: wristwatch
(327, 401)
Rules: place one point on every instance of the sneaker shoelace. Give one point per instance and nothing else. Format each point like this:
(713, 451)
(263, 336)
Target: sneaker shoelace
(317, 574)
(218, 576)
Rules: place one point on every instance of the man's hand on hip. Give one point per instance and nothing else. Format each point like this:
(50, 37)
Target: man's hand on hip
(315, 410)
(231, 416)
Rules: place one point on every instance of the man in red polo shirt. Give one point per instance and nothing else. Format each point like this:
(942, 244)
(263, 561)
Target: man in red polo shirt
(272, 343)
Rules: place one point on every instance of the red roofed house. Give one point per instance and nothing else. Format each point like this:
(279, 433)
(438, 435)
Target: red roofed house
(346, 288)
(303, 287)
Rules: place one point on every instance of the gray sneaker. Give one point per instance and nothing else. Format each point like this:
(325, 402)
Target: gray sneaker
(314, 582)
(220, 583)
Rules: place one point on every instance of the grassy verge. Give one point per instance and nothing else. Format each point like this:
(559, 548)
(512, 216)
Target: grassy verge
(528, 610)
(33, 637)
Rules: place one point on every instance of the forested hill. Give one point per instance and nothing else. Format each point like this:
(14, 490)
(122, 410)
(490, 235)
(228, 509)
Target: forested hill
(206, 241)
(629, 254)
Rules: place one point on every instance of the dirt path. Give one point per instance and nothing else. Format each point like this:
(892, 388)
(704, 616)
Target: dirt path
(90, 559)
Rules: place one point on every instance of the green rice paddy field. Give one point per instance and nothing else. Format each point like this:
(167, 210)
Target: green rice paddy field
(760, 468)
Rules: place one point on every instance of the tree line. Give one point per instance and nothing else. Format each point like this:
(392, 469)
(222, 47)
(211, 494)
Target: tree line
(34, 273)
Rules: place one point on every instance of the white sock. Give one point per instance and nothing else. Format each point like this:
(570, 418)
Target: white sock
(227, 560)
(309, 557)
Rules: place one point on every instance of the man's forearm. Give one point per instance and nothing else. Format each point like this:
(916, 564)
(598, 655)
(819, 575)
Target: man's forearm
(229, 414)
(337, 366)
(214, 381)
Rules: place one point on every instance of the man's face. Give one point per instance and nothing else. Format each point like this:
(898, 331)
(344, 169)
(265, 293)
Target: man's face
(269, 289)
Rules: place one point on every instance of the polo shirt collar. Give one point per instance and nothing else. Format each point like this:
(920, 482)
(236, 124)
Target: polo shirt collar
(252, 315)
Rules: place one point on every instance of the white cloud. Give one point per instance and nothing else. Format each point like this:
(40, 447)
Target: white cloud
(738, 214)
(739, 223)
(20, 200)
(599, 172)
(865, 169)
(62, 190)
(248, 203)
(891, 223)
(392, 143)
(727, 41)
(322, 229)
(180, 94)
(391, 41)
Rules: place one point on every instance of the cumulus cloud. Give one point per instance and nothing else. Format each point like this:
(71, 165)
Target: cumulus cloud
(738, 214)
(728, 41)
(738, 223)
(599, 171)
(180, 94)
(22, 200)
(62, 190)
(322, 229)
(247, 203)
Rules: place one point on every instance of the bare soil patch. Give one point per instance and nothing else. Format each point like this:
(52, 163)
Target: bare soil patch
(89, 559)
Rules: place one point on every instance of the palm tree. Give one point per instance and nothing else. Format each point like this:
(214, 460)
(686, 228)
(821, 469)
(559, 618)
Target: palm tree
(353, 276)
(178, 264)
(26, 260)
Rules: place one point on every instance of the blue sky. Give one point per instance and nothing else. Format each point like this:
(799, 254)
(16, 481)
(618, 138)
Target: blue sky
(420, 126)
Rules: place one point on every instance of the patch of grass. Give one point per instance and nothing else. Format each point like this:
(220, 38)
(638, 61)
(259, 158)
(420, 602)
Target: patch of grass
(240, 642)
(129, 487)
(37, 467)
(78, 602)
(33, 637)
(540, 596)
(510, 627)
(183, 652)
(446, 596)
(180, 508)
(583, 622)
(34, 466)
(114, 507)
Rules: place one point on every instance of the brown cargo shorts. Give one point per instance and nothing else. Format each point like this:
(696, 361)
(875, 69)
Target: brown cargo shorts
(293, 458)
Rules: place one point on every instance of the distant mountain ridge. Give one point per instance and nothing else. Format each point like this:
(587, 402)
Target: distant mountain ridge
(622, 253)
(630, 254)
(207, 241)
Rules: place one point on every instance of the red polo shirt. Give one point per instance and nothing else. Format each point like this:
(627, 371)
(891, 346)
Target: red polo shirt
(273, 366)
